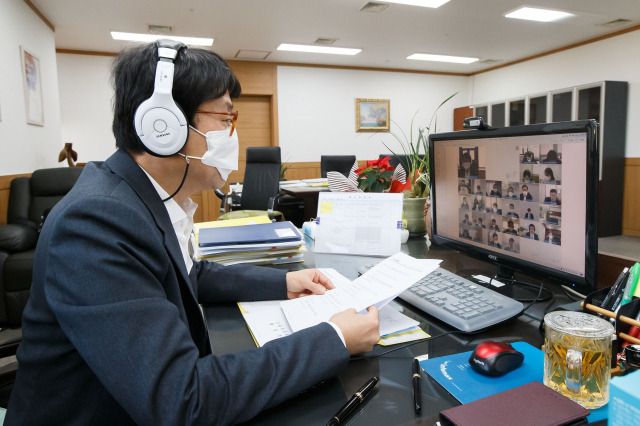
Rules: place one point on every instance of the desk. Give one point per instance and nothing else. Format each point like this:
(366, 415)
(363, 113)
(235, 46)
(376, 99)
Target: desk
(392, 401)
(309, 195)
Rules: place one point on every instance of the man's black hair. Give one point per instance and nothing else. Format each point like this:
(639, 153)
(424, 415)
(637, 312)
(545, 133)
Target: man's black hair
(199, 76)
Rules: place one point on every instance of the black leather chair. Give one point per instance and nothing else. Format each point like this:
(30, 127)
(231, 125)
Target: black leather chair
(336, 163)
(30, 199)
(260, 188)
(394, 160)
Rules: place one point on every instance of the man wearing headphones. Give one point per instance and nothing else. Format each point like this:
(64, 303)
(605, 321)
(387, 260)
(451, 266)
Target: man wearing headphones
(112, 332)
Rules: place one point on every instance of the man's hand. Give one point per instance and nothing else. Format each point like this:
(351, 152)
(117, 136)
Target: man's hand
(306, 282)
(360, 332)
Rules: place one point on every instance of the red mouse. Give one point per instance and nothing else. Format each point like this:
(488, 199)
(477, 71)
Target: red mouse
(495, 358)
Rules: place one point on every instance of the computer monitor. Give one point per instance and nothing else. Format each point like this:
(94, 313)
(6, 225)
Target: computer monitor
(522, 197)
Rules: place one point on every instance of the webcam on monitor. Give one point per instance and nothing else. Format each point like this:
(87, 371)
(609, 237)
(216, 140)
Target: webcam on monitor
(475, 123)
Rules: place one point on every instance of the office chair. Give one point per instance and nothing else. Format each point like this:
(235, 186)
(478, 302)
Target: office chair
(336, 163)
(261, 186)
(394, 160)
(30, 199)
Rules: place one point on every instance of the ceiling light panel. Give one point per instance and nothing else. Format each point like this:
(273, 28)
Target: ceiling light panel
(539, 15)
(318, 49)
(442, 58)
(423, 3)
(147, 38)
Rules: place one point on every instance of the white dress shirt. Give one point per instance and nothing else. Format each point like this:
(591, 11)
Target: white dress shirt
(181, 217)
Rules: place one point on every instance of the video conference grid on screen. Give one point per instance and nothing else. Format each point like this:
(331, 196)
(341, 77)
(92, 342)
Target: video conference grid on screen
(512, 194)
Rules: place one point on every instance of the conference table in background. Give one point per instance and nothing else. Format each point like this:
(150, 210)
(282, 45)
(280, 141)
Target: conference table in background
(391, 403)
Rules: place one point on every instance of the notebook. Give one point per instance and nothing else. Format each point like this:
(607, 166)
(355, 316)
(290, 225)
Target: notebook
(261, 233)
(532, 404)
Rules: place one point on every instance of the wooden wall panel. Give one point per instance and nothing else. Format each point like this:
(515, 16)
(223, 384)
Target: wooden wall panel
(304, 170)
(631, 198)
(256, 78)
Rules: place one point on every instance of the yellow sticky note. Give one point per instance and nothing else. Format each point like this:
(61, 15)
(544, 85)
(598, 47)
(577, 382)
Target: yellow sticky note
(326, 207)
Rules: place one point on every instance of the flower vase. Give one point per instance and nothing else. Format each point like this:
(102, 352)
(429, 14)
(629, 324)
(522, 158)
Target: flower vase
(414, 213)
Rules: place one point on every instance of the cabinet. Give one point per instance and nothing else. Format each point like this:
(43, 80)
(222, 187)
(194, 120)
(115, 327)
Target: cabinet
(605, 102)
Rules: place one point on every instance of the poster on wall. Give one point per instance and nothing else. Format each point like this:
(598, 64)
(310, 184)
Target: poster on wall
(32, 83)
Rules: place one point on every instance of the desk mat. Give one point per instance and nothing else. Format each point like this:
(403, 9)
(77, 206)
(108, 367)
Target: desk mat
(455, 374)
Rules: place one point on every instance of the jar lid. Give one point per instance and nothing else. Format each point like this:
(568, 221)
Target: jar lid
(578, 324)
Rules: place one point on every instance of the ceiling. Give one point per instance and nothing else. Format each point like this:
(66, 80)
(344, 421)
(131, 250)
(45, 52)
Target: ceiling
(460, 28)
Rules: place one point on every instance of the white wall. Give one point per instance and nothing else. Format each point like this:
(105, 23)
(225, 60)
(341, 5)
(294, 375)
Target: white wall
(316, 109)
(615, 58)
(85, 105)
(317, 105)
(26, 147)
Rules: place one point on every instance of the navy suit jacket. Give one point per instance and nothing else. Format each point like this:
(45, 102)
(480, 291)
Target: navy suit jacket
(113, 334)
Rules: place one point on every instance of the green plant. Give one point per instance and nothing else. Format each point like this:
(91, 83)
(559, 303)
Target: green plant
(283, 169)
(417, 154)
(375, 176)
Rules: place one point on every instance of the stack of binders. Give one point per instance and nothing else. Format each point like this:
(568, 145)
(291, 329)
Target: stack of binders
(257, 244)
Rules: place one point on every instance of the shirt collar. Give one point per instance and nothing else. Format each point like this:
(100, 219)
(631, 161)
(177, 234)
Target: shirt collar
(176, 212)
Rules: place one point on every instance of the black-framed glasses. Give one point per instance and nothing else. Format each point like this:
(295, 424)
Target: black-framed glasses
(231, 121)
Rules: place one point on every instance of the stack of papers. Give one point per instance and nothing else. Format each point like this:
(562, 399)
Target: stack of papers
(270, 320)
(305, 183)
(256, 241)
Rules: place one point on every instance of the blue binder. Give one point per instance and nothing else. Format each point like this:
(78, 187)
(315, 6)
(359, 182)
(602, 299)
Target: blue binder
(261, 233)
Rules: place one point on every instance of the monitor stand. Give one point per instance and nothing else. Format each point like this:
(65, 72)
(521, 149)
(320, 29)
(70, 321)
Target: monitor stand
(519, 287)
(523, 288)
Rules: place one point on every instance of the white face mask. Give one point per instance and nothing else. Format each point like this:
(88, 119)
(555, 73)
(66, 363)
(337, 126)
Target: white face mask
(222, 151)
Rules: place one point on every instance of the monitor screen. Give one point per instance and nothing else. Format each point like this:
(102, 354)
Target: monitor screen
(523, 197)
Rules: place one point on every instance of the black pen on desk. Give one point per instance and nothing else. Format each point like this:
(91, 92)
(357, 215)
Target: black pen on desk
(357, 399)
(415, 380)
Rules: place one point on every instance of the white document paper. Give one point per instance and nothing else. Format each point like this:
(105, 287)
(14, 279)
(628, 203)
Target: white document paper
(378, 286)
(267, 321)
(364, 223)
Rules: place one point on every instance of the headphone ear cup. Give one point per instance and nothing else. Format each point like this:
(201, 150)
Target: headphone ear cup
(161, 126)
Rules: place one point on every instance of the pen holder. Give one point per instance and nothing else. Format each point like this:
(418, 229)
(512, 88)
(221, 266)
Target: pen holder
(628, 310)
(595, 298)
(624, 321)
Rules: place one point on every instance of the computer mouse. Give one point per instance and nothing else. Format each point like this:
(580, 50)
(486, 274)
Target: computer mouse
(495, 358)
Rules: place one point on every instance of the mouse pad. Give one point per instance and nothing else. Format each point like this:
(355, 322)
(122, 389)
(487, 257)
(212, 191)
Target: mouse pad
(455, 374)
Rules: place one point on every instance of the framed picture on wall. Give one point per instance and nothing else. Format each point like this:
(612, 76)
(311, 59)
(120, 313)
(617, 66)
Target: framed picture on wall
(372, 115)
(32, 82)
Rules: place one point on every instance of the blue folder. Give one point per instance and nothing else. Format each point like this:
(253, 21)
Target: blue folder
(455, 374)
(261, 233)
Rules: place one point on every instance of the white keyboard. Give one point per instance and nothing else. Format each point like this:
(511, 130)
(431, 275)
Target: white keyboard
(459, 302)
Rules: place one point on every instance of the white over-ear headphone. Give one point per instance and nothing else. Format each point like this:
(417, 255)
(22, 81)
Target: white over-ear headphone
(159, 121)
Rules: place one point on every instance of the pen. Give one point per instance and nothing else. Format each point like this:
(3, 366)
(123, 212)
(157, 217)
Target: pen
(612, 294)
(415, 380)
(354, 402)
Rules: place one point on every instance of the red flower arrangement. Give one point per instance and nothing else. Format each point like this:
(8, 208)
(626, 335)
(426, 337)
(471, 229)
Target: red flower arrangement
(375, 176)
